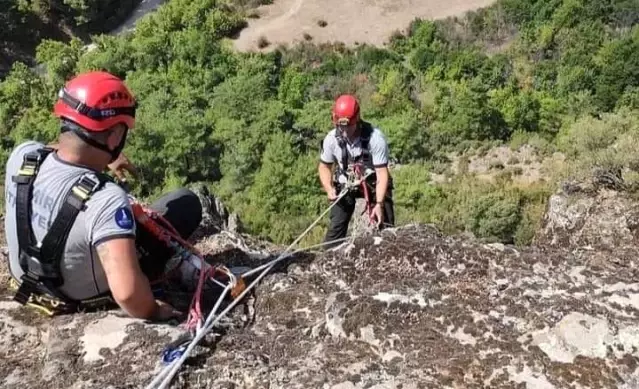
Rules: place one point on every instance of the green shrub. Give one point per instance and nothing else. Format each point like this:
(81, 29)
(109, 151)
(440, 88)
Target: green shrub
(608, 143)
(249, 124)
(494, 216)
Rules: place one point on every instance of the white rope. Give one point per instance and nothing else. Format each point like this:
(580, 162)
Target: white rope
(208, 325)
(257, 269)
(199, 334)
(171, 369)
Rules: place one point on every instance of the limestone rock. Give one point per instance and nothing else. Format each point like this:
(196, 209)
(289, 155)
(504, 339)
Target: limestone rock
(407, 307)
(360, 223)
(215, 216)
(603, 220)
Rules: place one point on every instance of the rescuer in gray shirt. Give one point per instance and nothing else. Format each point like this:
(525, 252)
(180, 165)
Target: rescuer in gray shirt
(354, 141)
(105, 255)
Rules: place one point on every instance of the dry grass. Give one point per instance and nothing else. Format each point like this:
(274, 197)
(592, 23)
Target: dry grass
(286, 20)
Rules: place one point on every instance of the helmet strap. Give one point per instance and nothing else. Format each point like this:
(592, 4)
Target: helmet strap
(116, 152)
(78, 131)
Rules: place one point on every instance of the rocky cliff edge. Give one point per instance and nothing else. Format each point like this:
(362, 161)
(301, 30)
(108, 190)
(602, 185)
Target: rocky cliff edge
(409, 308)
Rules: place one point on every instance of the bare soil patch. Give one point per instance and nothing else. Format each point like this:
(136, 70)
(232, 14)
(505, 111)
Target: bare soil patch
(353, 22)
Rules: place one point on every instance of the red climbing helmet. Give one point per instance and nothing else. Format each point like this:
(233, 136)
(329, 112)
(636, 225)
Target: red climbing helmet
(345, 110)
(96, 101)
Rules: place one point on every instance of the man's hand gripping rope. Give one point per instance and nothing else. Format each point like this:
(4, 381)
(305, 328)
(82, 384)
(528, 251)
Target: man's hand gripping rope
(170, 370)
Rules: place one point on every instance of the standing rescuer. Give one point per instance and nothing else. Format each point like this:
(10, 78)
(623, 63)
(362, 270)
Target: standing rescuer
(358, 148)
(70, 229)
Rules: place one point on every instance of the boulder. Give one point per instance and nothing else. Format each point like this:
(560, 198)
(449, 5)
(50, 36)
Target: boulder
(406, 308)
(580, 215)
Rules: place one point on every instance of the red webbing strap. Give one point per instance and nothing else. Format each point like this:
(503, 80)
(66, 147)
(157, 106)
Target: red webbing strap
(166, 233)
(369, 208)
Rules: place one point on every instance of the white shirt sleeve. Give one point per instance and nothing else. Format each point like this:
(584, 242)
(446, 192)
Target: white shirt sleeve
(328, 146)
(379, 150)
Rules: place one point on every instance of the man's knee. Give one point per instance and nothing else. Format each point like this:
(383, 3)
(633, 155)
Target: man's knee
(182, 208)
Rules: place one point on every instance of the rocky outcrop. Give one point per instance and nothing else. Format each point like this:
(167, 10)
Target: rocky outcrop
(404, 308)
(215, 217)
(590, 216)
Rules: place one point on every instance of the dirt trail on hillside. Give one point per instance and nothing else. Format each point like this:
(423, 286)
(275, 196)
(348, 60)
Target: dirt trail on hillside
(351, 22)
(145, 7)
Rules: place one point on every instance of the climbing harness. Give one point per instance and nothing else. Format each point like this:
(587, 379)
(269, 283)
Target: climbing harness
(349, 173)
(40, 261)
(175, 357)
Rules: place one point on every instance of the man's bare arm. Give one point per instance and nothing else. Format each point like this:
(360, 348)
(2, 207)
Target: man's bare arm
(382, 183)
(129, 286)
(325, 175)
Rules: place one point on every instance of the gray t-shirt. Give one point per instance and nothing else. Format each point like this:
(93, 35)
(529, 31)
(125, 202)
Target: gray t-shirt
(107, 215)
(377, 146)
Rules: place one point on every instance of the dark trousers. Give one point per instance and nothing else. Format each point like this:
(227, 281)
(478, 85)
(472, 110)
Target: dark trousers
(342, 213)
(181, 208)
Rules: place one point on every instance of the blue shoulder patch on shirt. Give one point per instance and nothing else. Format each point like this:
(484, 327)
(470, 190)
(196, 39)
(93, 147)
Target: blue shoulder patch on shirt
(124, 218)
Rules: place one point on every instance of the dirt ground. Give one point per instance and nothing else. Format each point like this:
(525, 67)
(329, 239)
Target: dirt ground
(350, 22)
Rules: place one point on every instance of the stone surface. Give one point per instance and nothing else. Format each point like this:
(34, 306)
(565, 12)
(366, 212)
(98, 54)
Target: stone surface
(404, 308)
(216, 217)
(578, 217)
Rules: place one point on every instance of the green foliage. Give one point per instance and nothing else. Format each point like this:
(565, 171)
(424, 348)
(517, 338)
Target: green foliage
(59, 58)
(20, 92)
(520, 110)
(27, 23)
(293, 87)
(283, 191)
(494, 215)
(630, 98)
(406, 135)
(491, 211)
(463, 111)
(548, 73)
(608, 143)
(111, 53)
(392, 95)
(415, 196)
(76, 12)
(618, 65)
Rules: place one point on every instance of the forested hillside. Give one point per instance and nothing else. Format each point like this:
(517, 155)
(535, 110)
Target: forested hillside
(559, 75)
(26, 22)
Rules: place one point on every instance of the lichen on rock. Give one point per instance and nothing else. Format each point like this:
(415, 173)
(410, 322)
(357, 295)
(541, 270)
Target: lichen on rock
(407, 307)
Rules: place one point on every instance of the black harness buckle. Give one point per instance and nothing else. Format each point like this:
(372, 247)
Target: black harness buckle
(28, 287)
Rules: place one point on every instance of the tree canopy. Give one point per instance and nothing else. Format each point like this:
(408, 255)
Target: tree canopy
(249, 124)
